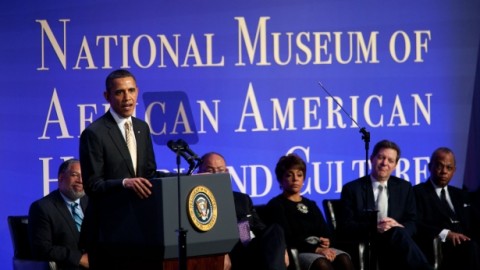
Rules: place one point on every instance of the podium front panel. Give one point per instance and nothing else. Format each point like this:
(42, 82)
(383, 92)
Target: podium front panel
(142, 229)
(220, 238)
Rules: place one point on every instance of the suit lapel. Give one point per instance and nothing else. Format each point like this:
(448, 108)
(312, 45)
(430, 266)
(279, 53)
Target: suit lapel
(139, 137)
(367, 189)
(433, 197)
(458, 203)
(84, 203)
(117, 138)
(392, 196)
(61, 206)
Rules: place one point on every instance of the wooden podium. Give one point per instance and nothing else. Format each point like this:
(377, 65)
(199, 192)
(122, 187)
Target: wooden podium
(142, 233)
(197, 263)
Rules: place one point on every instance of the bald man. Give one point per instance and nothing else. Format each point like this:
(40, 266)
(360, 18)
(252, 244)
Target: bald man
(267, 248)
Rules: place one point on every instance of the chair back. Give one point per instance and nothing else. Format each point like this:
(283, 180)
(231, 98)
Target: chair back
(22, 253)
(332, 209)
(18, 226)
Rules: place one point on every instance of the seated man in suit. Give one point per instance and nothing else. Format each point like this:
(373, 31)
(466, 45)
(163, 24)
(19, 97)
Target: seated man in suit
(392, 229)
(266, 249)
(55, 220)
(445, 212)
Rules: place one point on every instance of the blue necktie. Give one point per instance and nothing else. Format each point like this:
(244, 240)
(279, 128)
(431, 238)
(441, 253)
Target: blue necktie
(76, 215)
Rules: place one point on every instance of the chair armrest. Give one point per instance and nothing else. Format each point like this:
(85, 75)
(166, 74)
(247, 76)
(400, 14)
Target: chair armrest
(437, 253)
(294, 262)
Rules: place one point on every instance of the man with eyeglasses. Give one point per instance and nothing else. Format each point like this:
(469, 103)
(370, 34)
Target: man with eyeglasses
(444, 212)
(265, 248)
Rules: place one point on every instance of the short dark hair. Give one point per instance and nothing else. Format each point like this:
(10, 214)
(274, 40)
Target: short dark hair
(439, 150)
(119, 73)
(288, 162)
(385, 144)
(66, 165)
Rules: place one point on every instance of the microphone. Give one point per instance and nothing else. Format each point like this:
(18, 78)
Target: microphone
(341, 107)
(179, 149)
(363, 130)
(187, 149)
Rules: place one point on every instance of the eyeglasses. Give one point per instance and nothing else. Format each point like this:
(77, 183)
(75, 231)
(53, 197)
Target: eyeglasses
(216, 170)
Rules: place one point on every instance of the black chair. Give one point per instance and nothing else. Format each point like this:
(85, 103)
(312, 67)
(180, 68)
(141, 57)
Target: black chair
(22, 254)
(356, 249)
(292, 253)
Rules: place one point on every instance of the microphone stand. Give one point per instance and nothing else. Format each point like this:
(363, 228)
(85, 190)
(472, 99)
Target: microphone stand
(370, 248)
(182, 233)
(371, 213)
(193, 165)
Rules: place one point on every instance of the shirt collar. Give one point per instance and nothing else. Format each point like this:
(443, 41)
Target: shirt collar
(376, 183)
(438, 189)
(68, 201)
(118, 118)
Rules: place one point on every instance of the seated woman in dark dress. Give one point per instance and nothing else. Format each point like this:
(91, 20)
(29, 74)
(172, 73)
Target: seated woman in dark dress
(303, 222)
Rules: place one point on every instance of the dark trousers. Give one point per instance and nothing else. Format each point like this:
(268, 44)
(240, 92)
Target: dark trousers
(465, 256)
(264, 252)
(397, 250)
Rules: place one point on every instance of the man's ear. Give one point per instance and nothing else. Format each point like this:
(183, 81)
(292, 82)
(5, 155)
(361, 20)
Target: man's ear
(60, 178)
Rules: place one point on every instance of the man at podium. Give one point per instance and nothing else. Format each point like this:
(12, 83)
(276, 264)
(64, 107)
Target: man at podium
(116, 154)
(260, 247)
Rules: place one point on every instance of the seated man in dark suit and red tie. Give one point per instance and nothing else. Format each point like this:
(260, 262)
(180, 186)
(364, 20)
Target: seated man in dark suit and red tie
(55, 220)
(391, 232)
(444, 212)
(266, 249)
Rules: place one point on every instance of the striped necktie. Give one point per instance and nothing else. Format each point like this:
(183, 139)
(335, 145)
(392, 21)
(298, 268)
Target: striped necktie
(76, 215)
(132, 146)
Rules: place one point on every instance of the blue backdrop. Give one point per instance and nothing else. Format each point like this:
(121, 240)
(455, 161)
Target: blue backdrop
(241, 78)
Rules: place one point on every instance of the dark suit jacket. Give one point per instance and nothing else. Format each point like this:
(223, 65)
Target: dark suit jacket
(104, 155)
(52, 231)
(244, 210)
(357, 196)
(433, 218)
(266, 250)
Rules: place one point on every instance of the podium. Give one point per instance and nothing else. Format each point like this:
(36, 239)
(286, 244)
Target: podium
(142, 233)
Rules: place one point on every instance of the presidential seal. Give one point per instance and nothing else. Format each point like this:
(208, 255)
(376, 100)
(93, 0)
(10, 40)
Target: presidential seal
(202, 208)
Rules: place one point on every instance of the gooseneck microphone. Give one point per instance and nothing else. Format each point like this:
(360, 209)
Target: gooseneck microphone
(181, 148)
(184, 145)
